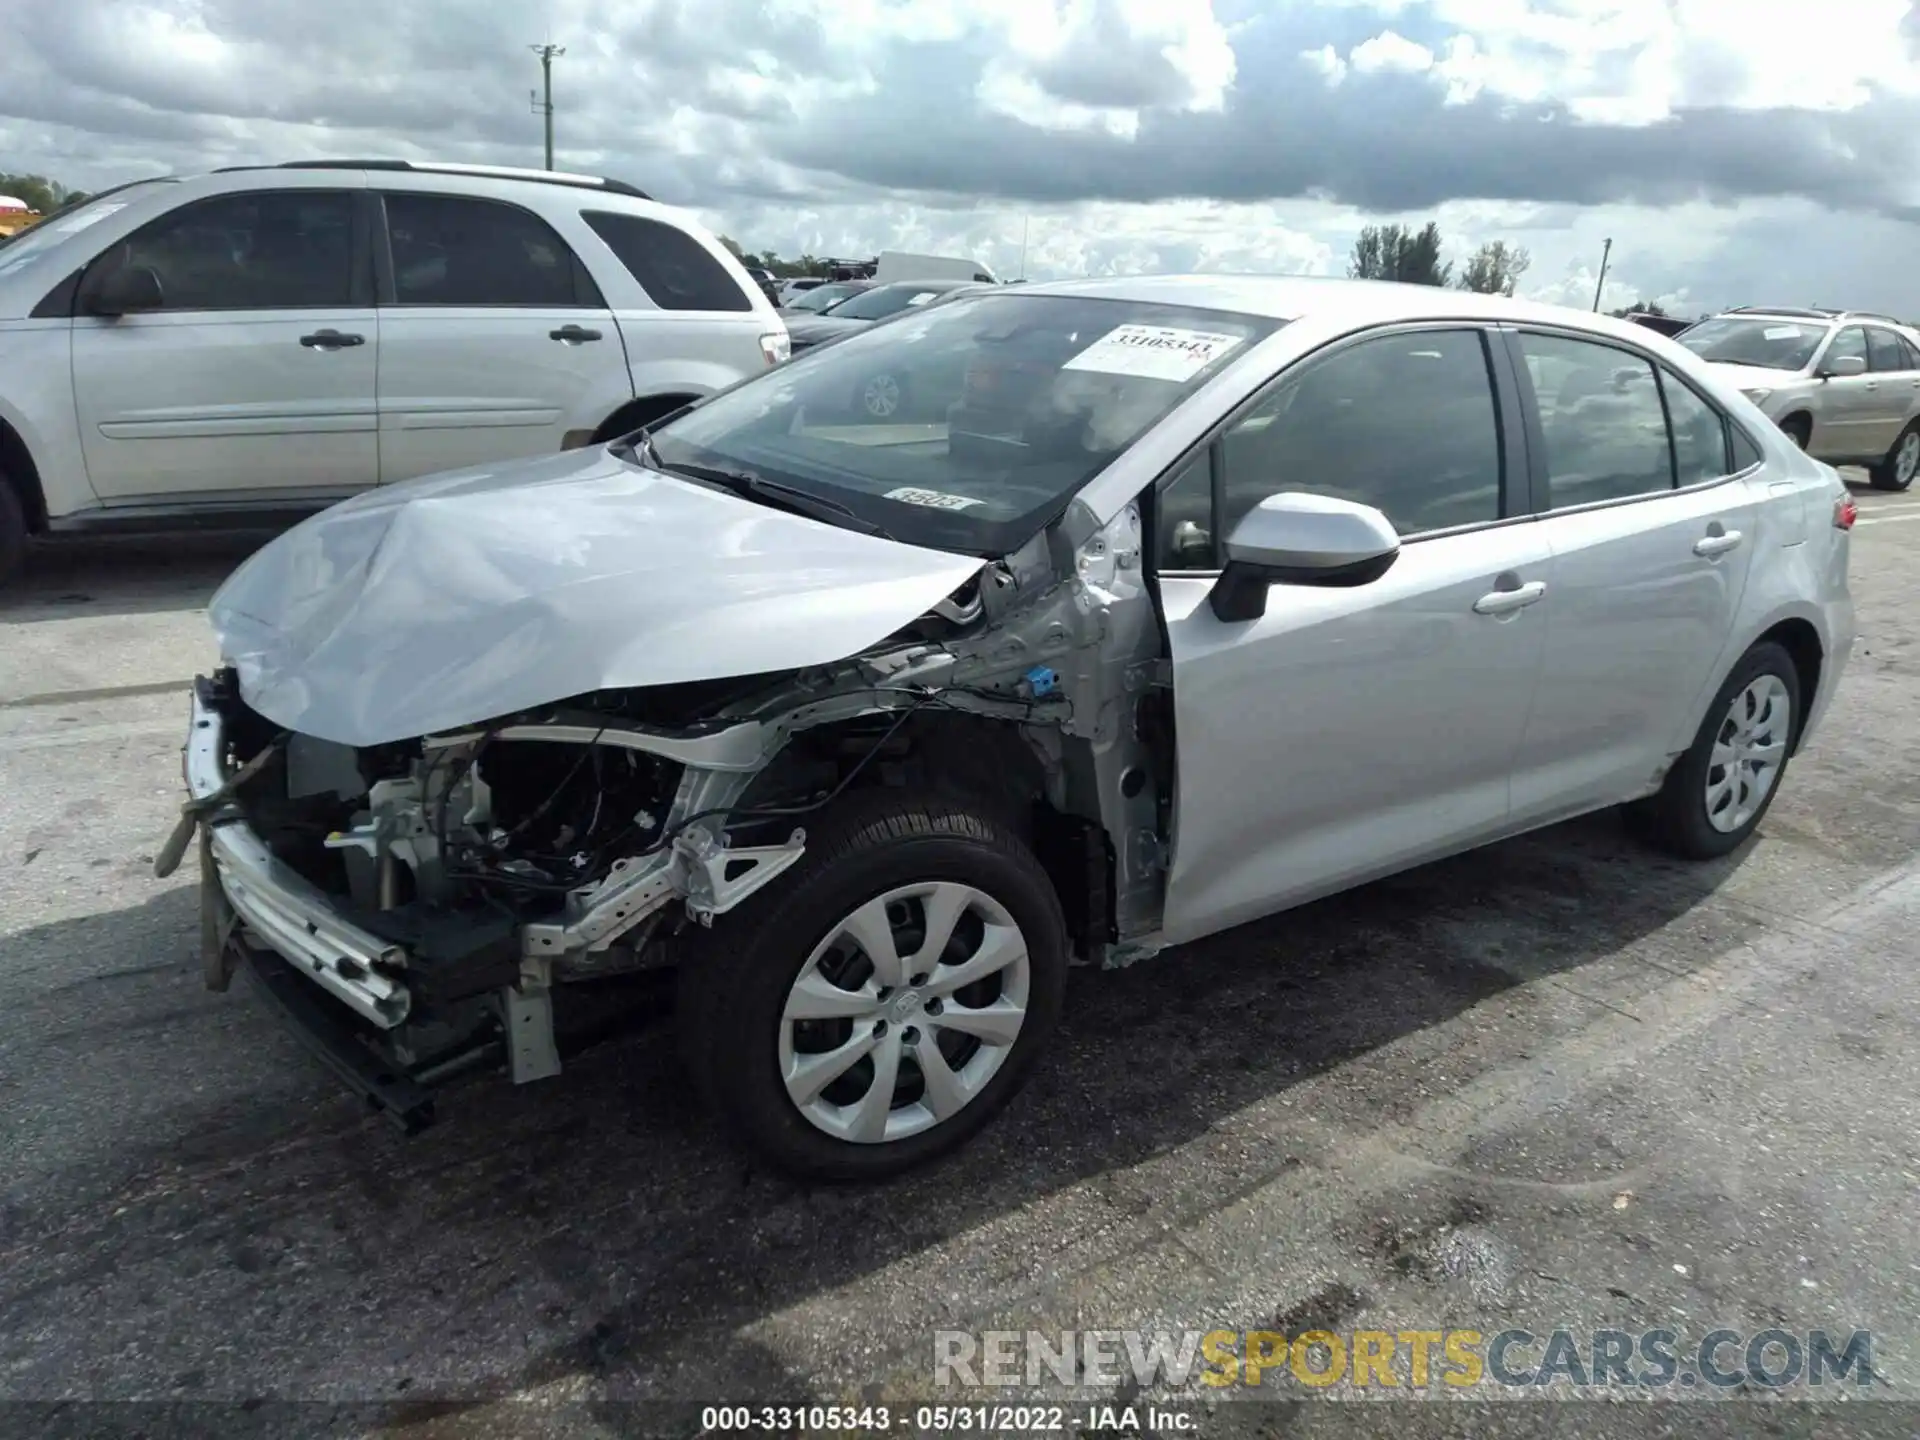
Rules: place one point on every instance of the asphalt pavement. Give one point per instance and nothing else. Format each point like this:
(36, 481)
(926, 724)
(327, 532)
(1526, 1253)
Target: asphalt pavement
(1561, 1083)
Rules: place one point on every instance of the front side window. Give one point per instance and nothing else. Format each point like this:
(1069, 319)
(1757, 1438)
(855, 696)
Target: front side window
(1601, 417)
(1884, 351)
(269, 250)
(452, 250)
(672, 267)
(1404, 422)
(964, 426)
(1769, 344)
(1850, 342)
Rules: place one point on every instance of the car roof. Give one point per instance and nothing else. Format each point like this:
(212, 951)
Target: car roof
(1295, 297)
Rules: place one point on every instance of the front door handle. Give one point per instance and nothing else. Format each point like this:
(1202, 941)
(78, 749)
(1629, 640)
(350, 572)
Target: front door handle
(1505, 602)
(573, 334)
(331, 340)
(1712, 545)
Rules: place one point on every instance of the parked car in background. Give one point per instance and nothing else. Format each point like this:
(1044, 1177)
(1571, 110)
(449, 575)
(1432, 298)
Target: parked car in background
(856, 312)
(882, 393)
(269, 339)
(1663, 324)
(1845, 384)
(791, 290)
(824, 297)
(1267, 588)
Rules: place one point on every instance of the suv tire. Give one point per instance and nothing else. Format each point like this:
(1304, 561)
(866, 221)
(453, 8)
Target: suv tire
(13, 530)
(878, 864)
(1897, 470)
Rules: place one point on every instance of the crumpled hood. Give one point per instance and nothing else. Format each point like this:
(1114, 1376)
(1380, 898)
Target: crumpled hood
(456, 598)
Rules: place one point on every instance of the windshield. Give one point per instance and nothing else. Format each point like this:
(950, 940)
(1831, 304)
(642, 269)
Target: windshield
(36, 239)
(1770, 344)
(887, 300)
(965, 428)
(821, 296)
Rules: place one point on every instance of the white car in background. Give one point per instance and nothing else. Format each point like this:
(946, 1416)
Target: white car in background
(266, 340)
(1844, 384)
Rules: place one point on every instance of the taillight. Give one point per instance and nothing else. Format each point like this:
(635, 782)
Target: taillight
(1845, 512)
(776, 347)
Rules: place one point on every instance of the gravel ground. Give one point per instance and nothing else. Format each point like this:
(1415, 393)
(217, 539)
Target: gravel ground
(1556, 1084)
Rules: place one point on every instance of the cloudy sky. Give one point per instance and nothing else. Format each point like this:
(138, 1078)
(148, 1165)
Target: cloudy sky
(1734, 151)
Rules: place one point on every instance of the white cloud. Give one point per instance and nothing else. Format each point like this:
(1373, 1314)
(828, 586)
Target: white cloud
(1328, 62)
(1390, 53)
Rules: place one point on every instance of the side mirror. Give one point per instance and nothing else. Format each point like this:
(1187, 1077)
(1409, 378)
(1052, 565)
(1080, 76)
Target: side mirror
(124, 291)
(1297, 539)
(1842, 366)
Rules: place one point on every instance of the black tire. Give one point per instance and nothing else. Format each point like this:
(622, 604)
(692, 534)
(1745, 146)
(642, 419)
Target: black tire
(734, 980)
(1675, 818)
(1886, 475)
(13, 531)
(1799, 429)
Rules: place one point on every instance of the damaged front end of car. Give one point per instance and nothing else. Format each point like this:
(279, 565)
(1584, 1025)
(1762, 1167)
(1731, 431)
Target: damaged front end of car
(414, 906)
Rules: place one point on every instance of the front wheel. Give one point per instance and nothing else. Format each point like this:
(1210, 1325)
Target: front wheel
(1716, 794)
(1902, 462)
(877, 1005)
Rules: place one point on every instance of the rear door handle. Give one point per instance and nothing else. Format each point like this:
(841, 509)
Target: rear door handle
(1711, 545)
(1505, 602)
(573, 334)
(331, 340)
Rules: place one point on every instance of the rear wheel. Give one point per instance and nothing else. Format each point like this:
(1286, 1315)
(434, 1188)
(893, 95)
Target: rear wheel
(880, 1002)
(13, 531)
(1902, 462)
(1717, 793)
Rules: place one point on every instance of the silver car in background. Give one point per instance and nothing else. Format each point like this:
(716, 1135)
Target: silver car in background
(1843, 384)
(1196, 599)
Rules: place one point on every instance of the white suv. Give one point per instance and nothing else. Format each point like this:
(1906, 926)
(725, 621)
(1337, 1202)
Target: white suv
(262, 341)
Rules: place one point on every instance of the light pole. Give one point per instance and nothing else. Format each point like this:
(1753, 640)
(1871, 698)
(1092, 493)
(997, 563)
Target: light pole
(543, 103)
(1600, 284)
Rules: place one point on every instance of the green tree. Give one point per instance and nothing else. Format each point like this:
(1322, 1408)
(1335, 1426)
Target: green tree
(1495, 268)
(1645, 307)
(1397, 252)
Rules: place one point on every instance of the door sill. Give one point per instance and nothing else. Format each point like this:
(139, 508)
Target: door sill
(165, 516)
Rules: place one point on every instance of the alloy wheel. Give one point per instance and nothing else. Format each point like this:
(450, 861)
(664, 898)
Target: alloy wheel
(1907, 458)
(904, 1012)
(1748, 751)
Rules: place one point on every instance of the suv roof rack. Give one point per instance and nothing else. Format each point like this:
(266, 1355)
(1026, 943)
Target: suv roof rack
(452, 167)
(1803, 312)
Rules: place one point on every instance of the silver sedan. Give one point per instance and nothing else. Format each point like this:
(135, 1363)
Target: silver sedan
(1169, 604)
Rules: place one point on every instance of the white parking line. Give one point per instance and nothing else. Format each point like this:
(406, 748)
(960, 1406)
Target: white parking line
(1886, 519)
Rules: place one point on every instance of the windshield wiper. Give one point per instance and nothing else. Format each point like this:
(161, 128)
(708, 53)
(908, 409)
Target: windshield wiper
(750, 486)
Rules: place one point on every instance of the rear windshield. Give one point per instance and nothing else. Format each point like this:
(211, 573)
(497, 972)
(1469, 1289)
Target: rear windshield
(886, 300)
(968, 426)
(1770, 344)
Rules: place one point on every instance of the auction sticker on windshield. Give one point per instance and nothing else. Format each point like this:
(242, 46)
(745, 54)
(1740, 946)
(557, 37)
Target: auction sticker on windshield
(1154, 352)
(932, 499)
(1782, 332)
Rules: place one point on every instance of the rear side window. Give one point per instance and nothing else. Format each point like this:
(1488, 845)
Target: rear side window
(1601, 417)
(454, 250)
(1746, 454)
(1910, 355)
(1699, 434)
(672, 267)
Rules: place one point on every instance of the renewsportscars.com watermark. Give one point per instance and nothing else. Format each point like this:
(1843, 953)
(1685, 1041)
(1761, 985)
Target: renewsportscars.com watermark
(1409, 1361)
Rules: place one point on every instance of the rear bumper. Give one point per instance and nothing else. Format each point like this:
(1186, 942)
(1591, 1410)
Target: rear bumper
(281, 910)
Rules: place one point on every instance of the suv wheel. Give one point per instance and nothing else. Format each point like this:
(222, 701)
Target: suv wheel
(1902, 462)
(876, 1005)
(1799, 429)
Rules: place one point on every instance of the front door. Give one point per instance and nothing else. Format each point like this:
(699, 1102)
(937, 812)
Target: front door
(255, 377)
(1349, 733)
(1651, 547)
(1848, 418)
(495, 342)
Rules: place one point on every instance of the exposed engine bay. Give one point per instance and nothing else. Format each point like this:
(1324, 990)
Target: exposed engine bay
(575, 841)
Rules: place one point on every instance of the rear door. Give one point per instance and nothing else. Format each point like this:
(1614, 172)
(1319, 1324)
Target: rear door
(495, 342)
(1651, 542)
(1891, 366)
(255, 379)
(1348, 733)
